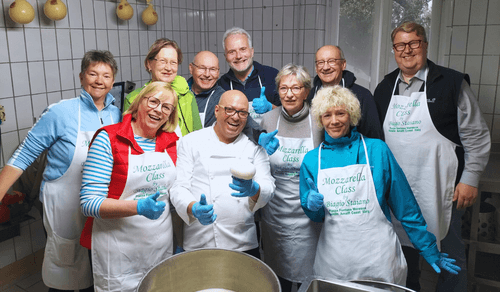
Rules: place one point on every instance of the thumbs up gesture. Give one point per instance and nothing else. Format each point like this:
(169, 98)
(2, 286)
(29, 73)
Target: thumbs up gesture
(269, 142)
(261, 105)
(203, 212)
(314, 198)
(150, 208)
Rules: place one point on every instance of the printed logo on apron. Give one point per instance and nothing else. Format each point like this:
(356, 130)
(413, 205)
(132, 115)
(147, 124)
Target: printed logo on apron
(356, 232)
(289, 236)
(121, 267)
(427, 158)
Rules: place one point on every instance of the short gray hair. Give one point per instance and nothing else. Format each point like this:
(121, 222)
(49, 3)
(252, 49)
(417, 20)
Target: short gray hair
(332, 96)
(96, 56)
(236, 30)
(300, 72)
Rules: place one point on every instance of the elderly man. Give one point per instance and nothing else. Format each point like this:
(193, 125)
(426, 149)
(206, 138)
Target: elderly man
(430, 118)
(205, 192)
(203, 83)
(205, 72)
(256, 81)
(330, 67)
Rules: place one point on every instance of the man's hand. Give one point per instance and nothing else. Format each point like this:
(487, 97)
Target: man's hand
(465, 195)
(261, 105)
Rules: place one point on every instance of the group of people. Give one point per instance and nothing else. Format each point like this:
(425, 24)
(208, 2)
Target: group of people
(332, 195)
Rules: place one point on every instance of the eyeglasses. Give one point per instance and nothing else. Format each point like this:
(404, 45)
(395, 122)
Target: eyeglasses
(331, 62)
(399, 47)
(231, 111)
(164, 62)
(202, 69)
(295, 90)
(166, 108)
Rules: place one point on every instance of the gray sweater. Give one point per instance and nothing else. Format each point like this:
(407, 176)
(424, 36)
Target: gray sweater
(297, 126)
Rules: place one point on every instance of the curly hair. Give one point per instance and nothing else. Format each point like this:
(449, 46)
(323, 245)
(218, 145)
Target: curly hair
(333, 96)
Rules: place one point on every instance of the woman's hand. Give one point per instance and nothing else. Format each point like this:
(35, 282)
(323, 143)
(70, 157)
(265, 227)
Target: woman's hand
(314, 199)
(445, 263)
(150, 208)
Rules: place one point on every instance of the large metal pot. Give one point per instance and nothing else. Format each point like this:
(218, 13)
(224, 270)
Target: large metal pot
(215, 269)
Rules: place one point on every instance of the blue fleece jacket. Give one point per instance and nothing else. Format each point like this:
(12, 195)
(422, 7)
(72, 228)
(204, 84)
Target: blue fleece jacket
(392, 189)
(57, 130)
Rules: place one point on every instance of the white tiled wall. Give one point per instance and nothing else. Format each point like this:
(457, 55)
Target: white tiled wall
(32, 239)
(40, 61)
(475, 49)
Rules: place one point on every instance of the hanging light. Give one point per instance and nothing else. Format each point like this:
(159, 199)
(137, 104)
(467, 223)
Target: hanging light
(21, 12)
(149, 16)
(55, 9)
(124, 11)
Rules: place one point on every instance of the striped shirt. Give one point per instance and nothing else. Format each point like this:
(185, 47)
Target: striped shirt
(97, 172)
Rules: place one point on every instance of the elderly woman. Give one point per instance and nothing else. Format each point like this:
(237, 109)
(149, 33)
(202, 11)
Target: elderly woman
(356, 182)
(64, 129)
(125, 189)
(289, 237)
(162, 62)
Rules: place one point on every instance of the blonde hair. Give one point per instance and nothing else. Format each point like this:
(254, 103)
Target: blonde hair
(300, 72)
(333, 96)
(173, 119)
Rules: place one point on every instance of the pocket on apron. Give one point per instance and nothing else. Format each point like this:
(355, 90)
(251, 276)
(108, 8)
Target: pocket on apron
(64, 251)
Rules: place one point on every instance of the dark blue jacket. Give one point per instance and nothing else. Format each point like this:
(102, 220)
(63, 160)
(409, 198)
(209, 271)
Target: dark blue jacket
(252, 87)
(369, 124)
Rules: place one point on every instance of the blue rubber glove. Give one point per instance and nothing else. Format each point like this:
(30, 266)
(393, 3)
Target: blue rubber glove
(245, 187)
(150, 208)
(445, 263)
(269, 142)
(261, 105)
(203, 212)
(314, 199)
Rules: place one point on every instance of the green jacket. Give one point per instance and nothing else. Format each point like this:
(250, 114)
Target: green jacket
(189, 116)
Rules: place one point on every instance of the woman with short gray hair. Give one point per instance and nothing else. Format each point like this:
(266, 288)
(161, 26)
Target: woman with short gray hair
(357, 182)
(65, 130)
(289, 237)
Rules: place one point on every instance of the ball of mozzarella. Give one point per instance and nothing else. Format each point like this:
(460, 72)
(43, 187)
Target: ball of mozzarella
(243, 169)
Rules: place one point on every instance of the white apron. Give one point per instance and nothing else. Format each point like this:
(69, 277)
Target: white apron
(204, 113)
(427, 158)
(124, 249)
(289, 236)
(255, 116)
(357, 240)
(66, 264)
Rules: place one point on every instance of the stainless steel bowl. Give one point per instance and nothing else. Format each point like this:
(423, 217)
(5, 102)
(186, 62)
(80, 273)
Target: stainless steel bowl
(315, 284)
(214, 269)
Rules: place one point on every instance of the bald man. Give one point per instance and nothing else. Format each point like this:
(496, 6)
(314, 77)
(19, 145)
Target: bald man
(203, 83)
(330, 69)
(218, 209)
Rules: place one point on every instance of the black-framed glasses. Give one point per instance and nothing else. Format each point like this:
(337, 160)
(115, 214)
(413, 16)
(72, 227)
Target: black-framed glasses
(331, 62)
(166, 108)
(202, 69)
(399, 47)
(164, 62)
(295, 89)
(231, 111)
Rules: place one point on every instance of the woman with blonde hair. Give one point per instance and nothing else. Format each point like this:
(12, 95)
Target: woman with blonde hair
(125, 190)
(352, 183)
